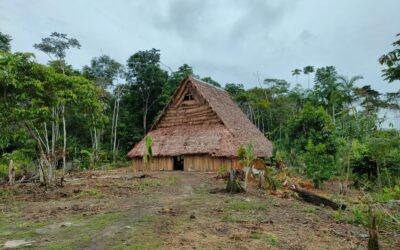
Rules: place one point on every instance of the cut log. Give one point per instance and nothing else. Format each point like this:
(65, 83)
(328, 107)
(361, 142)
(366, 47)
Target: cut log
(317, 200)
(233, 185)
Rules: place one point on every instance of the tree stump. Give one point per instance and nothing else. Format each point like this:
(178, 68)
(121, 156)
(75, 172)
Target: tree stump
(373, 235)
(233, 185)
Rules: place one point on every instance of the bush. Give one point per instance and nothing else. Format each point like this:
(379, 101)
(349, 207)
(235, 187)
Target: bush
(320, 165)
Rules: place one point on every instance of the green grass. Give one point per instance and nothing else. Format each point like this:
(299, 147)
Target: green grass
(91, 193)
(142, 236)
(17, 228)
(78, 236)
(148, 185)
(387, 194)
(309, 209)
(270, 238)
(173, 180)
(232, 218)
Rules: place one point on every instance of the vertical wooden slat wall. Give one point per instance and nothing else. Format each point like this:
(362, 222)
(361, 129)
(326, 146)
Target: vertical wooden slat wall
(157, 164)
(191, 163)
(205, 163)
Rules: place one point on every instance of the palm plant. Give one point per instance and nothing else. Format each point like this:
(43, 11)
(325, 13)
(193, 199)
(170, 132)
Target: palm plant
(296, 72)
(307, 70)
(347, 86)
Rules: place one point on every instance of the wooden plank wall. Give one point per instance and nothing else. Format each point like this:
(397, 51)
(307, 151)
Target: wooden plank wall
(192, 163)
(204, 163)
(157, 164)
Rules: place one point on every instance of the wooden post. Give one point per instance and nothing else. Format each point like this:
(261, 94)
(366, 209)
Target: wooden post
(373, 235)
(11, 173)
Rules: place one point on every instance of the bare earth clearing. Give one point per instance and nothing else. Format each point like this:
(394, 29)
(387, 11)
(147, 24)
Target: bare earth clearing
(168, 210)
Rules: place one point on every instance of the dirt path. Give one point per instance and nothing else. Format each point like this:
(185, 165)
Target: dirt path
(162, 202)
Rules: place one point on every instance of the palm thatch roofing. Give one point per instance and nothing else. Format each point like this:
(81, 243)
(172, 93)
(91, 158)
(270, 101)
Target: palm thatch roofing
(210, 124)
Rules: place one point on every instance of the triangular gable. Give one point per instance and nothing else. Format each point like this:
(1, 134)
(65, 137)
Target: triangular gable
(187, 108)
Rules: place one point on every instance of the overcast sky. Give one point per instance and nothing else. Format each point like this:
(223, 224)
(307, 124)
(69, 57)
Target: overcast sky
(231, 41)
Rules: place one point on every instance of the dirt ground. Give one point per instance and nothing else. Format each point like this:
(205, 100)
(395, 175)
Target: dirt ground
(169, 210)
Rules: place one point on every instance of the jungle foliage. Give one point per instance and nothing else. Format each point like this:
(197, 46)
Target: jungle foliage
(57, 118)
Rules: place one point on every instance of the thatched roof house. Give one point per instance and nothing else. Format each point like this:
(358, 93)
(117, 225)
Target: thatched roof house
(199, 130)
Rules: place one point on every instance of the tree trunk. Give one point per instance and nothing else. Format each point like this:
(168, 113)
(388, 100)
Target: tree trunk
(11, 173)
(112, 125)
(116, 130)
(317, 200)
(233, 185)
(65, 137)
(333, 113)
(246, 177)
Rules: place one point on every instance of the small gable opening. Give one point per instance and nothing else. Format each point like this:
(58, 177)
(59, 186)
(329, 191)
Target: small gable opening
(178, 163)
(188, 96)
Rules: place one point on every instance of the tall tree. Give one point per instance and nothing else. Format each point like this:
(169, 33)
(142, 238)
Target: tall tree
(348, 88)
(307, 70)
(327, 90)
(5, 42)
(145, 76)
(103, 70)
(392, 61)
(57, 45)
(296, 73)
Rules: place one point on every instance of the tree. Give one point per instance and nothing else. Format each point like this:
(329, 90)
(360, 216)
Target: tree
(319, 163)
(145, 76)
(311, 123)
(5, 42)
(307, 70)
(30, 94)
(296, 73)
(392, 61)
(347, 86)
(246, 157)
(234, 89)
(103, 70)
(57, 45)
(327, 90)
(211, 81)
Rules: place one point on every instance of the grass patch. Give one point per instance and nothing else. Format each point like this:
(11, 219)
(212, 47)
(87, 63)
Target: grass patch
(232, 218)
(242, 205)
(309, 210)
(74, 237)
(143, 236)
(148, 184)
(270, 238)
(387, 194)
(19, 229)
(91, 193)
(173, 180)
(6, 192)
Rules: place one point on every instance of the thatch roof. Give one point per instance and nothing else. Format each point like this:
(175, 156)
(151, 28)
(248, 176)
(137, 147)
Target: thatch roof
(219, 132)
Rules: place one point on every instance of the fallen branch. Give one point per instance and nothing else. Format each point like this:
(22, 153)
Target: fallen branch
(316, 199)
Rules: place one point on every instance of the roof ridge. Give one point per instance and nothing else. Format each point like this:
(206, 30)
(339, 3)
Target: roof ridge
(206, 83)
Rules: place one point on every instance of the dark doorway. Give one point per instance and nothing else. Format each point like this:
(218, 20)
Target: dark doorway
(178, 163)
